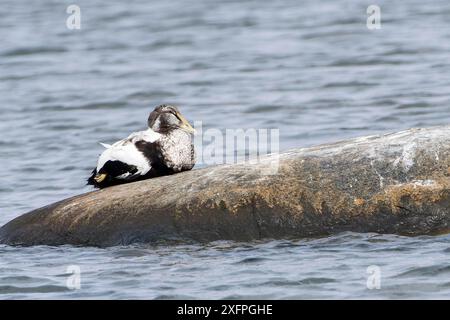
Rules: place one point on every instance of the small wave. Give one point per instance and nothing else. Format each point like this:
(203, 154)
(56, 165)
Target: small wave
(306, 281)
(353, 128)
(387, 119)
(220, 287)
(400, 51)
(198, 83)
(368, 62)
(149, 95)
(415, 105)
(351, 84)
(63, 127)
(426, 271)
(166, 43)
(32, 169)
(67, 168)
(287, 244)
(6, 143)
(90, 106)
(327, 34)
(263, 109)
(131, 253)
(126, 283)
(252, 260)
(38, 289)
(17, 279)
(33, 50)
(173, 297)
(445, 285)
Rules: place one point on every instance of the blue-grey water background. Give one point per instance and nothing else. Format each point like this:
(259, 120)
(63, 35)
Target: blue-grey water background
(310, 68)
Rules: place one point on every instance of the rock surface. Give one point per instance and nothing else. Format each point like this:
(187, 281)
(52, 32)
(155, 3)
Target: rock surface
(394, 183)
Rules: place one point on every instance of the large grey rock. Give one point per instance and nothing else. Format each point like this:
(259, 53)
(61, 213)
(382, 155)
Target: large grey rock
(395, 183)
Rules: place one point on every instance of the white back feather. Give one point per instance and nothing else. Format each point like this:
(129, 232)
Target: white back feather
(105, 145)
(125, 151)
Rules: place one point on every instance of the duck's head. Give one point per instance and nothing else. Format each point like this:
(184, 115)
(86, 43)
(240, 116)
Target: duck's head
(166, 118)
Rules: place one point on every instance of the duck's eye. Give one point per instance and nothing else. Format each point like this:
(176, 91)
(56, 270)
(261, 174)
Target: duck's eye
(177, 116)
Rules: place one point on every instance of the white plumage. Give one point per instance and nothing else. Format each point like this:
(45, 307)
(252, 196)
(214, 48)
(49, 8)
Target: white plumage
(165, 148)
(126, 151)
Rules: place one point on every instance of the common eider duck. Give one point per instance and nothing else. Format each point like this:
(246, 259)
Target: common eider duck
(166, 147)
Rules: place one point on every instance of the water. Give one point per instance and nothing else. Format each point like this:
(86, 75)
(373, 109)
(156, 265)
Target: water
(312, 70)
(334, 267)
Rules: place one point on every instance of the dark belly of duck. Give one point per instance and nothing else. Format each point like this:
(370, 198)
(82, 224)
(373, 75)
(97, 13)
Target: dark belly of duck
(165, 148)
(113, 169)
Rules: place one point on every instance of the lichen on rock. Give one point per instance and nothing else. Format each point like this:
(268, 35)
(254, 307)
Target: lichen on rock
(394, 183)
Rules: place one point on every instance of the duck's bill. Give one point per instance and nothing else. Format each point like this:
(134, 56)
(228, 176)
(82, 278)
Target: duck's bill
(100, 177)
(185, 125)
